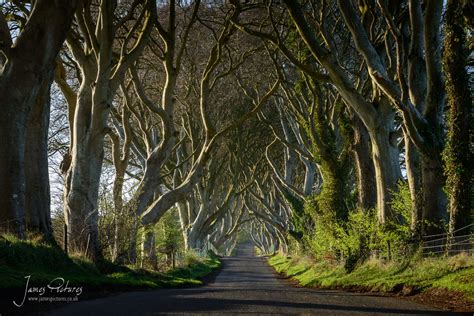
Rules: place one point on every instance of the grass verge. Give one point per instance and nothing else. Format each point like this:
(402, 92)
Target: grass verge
(424, 275)
(44, 263)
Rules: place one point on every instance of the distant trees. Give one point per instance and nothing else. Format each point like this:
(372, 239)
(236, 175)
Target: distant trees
(383, 62)
(394, 80)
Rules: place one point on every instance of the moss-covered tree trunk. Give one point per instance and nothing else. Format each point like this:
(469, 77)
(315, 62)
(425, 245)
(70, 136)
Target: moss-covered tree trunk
(458, 152)
(333, 195)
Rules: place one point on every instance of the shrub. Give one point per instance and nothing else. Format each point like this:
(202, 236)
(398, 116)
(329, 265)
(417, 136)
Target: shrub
(352, 241)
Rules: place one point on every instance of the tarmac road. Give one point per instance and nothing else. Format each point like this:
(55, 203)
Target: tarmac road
(246, 285)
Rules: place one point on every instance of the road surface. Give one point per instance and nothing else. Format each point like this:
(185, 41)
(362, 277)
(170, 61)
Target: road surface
(245, 286)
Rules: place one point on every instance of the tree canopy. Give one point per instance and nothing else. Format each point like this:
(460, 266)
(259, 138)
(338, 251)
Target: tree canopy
(332, 127)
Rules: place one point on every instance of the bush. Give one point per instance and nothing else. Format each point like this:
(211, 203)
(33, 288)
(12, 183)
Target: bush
(353, 241)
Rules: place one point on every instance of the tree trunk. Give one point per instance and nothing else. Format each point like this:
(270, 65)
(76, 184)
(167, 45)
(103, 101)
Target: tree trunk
(184, 220)
(387, 170)
(458, 154)
(412, 162)
(333, 194)
(194, 242)
(119, 217)
(81, 194)
(194, 238)
(230, 245)
(37, 196)
(28, 63)
(148, 249)
(132, 247)
(366, 188)
(83, 177)
(434, 199)
(433, 180)
(12, 174)
(310, 172)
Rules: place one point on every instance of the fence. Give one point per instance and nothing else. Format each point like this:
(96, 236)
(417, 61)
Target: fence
(10, 226)
(461, 240)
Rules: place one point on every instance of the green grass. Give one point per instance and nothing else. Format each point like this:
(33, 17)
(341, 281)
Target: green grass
(454, 273)
(44, 263)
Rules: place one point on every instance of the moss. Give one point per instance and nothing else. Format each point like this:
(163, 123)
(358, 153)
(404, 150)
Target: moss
(458, 152)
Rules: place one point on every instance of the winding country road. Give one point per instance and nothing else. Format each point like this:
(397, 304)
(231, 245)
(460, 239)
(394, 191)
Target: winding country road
(245, 286)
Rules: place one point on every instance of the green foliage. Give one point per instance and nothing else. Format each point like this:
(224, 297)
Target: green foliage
(197, 267)
(109, 218)
(169, 237)
(299, 218)
(454, 273)
(353, 240)
(331, 202)
(401, 203)
(22, 253)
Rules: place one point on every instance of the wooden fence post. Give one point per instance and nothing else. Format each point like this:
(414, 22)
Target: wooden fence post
(65, 238)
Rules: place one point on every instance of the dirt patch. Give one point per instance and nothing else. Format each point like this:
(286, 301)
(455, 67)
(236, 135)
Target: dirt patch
(444, 299)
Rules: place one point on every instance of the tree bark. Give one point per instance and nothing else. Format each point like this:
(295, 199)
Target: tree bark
(12, 173)
(28, 63)
(387, 170)
(81, 193)
(366, 186)
(118, 214)
(184, 220)
(378, 119)
(83, 177)
(309, 174)
(331, 199)
(412, 162)
(434, 198)
(148, 249)
(37, 196)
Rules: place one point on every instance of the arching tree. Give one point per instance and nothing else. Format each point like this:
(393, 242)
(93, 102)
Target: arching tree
(102, 59)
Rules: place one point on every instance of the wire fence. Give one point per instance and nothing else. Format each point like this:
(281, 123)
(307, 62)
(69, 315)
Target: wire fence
(10, 226)
(460, 240)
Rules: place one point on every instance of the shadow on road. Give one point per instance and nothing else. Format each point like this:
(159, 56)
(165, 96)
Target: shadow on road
(247, 285)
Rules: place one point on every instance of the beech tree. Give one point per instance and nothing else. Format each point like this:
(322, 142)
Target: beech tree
(418, 96)
(102, 60)
(27, 64)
